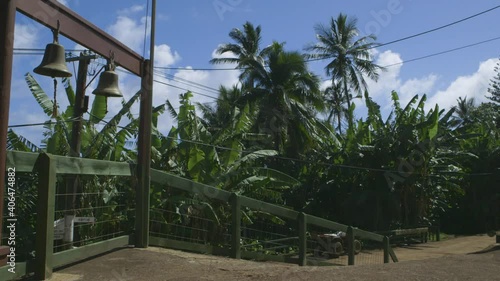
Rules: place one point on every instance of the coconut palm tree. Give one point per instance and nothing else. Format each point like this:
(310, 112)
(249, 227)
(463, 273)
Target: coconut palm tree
(349, 55)
(216, 117)
(246, 50)
(464, 109)
(288, 97)
(336, 104)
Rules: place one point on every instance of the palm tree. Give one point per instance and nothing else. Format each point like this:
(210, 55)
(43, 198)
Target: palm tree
(336, 104)
(246, 49)
(217, 116)
(350, 56)
(288, 97)
(464, 109)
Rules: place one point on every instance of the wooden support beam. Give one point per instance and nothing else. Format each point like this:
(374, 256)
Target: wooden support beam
(7, 23)
(78, 29)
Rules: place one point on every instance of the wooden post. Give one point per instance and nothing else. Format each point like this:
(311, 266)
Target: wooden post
(438, 233)
(386, 249)
(302, 223)
(144, 160)
(235, 226)
(72, 181)
(45, 216)
(350, 245)
(144, 144)
(498, 239)
(7, 23)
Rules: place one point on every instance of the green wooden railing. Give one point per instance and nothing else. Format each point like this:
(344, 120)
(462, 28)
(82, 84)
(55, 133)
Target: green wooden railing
(238, 202)
(49, 167)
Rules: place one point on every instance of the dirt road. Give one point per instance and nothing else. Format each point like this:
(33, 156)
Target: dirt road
(452, 246)
(446, 260)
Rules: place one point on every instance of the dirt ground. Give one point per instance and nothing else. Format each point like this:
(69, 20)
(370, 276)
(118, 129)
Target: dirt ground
(445, 260)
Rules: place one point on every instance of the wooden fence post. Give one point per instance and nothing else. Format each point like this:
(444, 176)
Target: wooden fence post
(350, 245)
(235, 226)
(44, 243)
(386, 249)
(302, 223)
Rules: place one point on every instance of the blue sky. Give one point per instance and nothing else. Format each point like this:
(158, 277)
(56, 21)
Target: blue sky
(189, 31)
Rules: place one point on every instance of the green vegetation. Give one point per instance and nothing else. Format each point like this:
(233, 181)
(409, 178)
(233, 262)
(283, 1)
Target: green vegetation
(266, 139)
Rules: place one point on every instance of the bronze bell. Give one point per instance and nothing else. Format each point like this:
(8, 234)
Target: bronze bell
(108, 84)
(54, 62)
(54, 59)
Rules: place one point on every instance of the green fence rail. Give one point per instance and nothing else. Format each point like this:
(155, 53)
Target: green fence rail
(94, 238)
(184, 215)
(258, 240)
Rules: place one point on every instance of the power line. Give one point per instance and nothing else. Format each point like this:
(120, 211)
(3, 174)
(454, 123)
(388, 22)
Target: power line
(186, 82)
(289, 158)
(421, 33)
(170, 85)
(375, 46)
(50, 122)
(43, 50)
(199, 69)
(445, 52)
(197, 93)
(251, 151)
(439, 28)
(437, 54)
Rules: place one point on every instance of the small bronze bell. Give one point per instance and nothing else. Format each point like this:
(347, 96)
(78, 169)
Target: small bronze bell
(54, 60)
(108, 83)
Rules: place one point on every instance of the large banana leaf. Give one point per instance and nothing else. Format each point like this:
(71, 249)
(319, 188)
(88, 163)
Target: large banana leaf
(20, 143)
(99, 109)
(41, 97)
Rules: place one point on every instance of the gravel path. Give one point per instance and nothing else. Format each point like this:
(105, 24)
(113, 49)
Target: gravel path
(447, 260)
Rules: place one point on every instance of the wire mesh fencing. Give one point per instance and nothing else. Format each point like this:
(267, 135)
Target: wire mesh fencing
(325, 245)
(91, 209)
(368, 251)
(187, 217)
(268, 234)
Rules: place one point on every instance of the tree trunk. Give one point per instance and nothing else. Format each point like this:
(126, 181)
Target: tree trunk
(340, 121)
(348, 99)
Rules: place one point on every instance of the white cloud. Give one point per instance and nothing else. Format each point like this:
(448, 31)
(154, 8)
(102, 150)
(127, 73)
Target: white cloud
(25, 36)
(132, 10)
(164, 56)
(473, 86)
(325, 84)
(417, 86)
(204, 84)
(389, 79)
(130, 31)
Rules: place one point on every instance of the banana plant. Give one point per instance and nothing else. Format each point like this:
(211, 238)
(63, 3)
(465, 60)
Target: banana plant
(95, 143)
